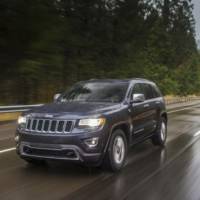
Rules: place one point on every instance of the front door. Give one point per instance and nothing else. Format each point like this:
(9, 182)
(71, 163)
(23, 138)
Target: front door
(142, 114)
(138, 113)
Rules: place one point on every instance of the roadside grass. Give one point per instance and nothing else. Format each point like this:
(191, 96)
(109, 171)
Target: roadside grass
(9, 116)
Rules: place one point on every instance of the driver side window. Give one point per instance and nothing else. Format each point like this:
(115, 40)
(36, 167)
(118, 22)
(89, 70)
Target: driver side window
(137, 89)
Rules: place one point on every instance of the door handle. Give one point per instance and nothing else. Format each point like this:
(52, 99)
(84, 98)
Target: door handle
(146, 105)
(157, 102)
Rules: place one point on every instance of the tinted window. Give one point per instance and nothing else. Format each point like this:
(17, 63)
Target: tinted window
(96, 92)
(148, 93)
(137, 89)
(156, 91)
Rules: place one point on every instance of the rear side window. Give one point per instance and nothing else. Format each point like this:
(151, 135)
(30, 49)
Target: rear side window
(156, 91)
(148, 91)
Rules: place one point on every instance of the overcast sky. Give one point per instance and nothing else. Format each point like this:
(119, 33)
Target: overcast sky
(197, 17)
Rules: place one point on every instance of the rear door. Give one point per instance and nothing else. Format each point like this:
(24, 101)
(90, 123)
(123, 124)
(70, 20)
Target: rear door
(150, 108)
(158, 102)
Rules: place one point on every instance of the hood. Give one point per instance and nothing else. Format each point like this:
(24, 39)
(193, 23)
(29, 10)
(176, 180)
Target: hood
(75, 108)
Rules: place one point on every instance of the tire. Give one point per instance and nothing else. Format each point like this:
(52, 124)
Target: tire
(34, 161)
(160, 136)
(117, 151)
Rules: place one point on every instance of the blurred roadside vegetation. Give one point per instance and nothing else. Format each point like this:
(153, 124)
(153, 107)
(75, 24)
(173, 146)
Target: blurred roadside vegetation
(47, 45)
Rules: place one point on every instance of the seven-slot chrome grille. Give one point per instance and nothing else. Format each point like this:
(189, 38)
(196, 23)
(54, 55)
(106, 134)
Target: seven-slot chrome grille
(49, 125)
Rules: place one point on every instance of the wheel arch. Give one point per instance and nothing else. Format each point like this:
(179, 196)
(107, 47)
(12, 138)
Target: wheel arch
(125, 127)
(164, 115)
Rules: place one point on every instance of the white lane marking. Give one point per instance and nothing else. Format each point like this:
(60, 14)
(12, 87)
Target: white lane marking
(173, 111)
(7, 150)
(6, 138)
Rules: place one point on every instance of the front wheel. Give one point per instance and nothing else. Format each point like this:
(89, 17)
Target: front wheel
(116, 154)
(160, 136)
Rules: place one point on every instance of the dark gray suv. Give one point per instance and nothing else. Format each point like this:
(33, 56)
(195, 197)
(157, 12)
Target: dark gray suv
(95, 122)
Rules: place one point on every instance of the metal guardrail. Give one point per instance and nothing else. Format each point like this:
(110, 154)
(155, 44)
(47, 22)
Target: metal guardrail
(21, 108)
(177, 100)
(17, 108)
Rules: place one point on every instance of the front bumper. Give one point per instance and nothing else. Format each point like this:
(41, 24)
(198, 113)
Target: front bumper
(61, 147)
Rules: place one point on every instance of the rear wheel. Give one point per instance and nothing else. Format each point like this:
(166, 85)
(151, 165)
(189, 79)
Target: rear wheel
(160, 136)
(116, 154)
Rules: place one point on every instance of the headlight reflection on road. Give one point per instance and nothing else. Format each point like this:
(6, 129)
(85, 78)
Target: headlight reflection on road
(196, 134)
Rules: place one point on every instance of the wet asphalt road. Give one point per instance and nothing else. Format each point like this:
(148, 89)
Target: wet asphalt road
(150, 173)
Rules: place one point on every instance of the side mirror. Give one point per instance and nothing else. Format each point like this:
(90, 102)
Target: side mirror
(56, 96)
(138, 98)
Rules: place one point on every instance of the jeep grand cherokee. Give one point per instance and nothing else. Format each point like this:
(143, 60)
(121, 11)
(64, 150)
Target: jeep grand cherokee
(94, 122)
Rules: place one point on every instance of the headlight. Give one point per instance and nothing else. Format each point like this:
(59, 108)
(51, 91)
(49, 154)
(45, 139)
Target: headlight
(21, 120)
(92, 123)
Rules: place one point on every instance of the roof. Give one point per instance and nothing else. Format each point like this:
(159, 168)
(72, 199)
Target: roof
(118, 80)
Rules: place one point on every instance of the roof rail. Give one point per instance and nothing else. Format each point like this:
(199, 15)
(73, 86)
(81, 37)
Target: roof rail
(142, 79)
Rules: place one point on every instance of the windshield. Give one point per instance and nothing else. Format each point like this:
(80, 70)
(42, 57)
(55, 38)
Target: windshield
(95, 92)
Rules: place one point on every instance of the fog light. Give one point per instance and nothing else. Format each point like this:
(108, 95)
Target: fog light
(17, 138)
(92, 142)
